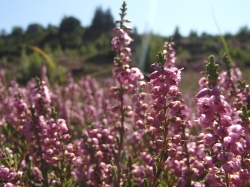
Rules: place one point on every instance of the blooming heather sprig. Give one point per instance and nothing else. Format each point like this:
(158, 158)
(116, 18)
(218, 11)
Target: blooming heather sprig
(229, 77)
(122, 72)
(10, 175)
(164, 83)
(127, 135)
(46, 135)
(242, 95)
(94, 157)
(222, 138)
(41, 98)
(169, 53)
(167, 122)
(130, 82)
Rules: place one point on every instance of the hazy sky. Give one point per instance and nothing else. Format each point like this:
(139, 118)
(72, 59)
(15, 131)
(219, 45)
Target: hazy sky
(159, 16)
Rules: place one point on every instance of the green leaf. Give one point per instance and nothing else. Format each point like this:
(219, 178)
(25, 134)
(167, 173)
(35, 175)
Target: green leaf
(124, 184)
(146, 183)
(157, 183)
(154, 169)
(160, 59)
(123, 157)
(211, 70)
(115, 155)
(158, 172)
(165, 156)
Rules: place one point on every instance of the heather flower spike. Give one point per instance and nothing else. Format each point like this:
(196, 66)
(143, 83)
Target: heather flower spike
(229, 64)
(160, 59)
(123, 9)
(127, 132)
(245, 113)
(211, 70)
(229, 67)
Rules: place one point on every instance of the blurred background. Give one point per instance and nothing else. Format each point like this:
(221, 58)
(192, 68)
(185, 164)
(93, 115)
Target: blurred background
(74, 36)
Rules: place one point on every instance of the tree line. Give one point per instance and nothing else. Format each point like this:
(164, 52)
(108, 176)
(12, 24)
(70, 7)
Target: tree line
(92, 43)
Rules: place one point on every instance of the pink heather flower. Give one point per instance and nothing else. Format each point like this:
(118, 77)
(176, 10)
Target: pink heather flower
(173, 91)
(151, 161)
(139, 124)
(235, 180)
(202, 93)
(235, 132)
(225, 156)
(62, 125)
(198, 184)
(215, 91)
(156, 123)
(120, 32)
(205, 106)
(155, 75)
(127, 39)
(144, 106)
(205, 121)
(225, 121)
(161, 100)
(230, 167)
(211, 178)
(150, 120)
(203, 82)
(176, 139)
(209, 139)
(122, 75)
(217, 148)
(227, 142)
(159, 144)
(37, 174)
(182, 182)
(4, 172)
(127, 51)
(244, 174)
(221, 131)
(208, 161)
(8, 184)
(172, 152)
(175, 105)
(116, 43)
(160, 116)
(135, 74)
(220, 105)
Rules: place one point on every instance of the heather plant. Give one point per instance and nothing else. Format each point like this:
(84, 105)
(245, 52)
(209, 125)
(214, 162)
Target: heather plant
(127, 132)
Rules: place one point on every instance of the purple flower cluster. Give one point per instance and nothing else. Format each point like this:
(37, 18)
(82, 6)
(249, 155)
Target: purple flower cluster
(224, 137)
(126, 132)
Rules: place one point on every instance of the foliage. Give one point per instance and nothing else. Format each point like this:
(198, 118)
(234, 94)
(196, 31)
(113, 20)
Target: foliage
(90, 44)
(126, 132)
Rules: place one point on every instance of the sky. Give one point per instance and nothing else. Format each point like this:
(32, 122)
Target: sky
(157, 16)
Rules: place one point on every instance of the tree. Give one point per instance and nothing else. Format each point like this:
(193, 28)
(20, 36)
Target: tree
(35, 29)
(52, 37)
(70, 32)
(17, 35)
(243, 34)
(3, 32)
(69, 25)
(176, 36)
(52, 29)
(102, 22)
(193, 34)
(17, 31)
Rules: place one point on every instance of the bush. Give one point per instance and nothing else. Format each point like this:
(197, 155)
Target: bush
(128, 132)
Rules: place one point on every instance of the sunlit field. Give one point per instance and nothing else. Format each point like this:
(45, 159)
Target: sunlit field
(104, 122)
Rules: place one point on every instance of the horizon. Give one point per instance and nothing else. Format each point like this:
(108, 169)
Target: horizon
(198, 17)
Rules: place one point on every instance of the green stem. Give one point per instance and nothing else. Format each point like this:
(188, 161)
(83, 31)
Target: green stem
(44, 169)
(121, 131)
(187, 156)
